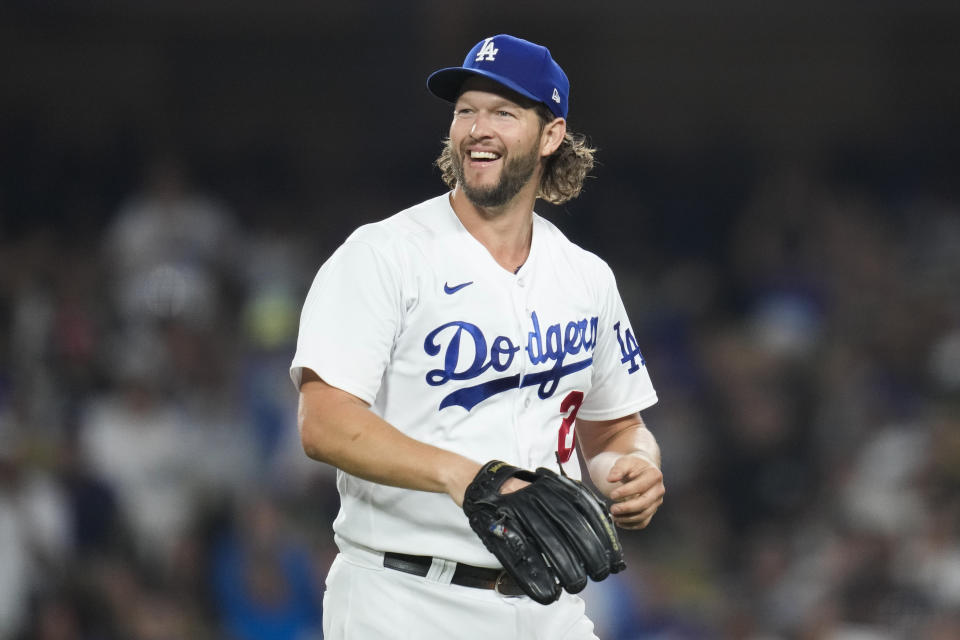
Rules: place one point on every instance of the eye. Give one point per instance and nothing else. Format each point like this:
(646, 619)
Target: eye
(504, 114)
(463, 111)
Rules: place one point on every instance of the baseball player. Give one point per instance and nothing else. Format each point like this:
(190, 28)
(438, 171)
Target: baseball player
(463, 330)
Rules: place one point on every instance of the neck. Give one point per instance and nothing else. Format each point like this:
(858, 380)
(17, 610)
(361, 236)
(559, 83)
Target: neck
(505, 231)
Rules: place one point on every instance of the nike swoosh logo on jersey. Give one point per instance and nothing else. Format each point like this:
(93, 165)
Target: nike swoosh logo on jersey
(447, 289)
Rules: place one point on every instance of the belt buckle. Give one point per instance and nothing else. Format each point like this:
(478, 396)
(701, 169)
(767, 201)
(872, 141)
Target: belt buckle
(496, 585)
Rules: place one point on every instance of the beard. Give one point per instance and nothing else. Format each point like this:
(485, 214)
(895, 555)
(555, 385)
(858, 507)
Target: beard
(516, 173)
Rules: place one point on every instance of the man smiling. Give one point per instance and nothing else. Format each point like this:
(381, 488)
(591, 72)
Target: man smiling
(464, 330)
(488, 120)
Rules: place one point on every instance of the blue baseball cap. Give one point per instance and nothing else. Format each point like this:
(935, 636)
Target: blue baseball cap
(517, 64)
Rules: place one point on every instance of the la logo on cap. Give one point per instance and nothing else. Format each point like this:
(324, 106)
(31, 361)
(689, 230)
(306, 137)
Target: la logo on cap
(487, 51)
(556, 96)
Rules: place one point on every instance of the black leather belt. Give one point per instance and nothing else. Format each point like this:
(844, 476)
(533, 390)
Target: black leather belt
(465, 575)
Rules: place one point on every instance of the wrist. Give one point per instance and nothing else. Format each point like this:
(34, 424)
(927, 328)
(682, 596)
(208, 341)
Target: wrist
(458, 478)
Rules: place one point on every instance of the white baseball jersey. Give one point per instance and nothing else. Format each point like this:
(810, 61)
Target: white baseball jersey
(414, 316)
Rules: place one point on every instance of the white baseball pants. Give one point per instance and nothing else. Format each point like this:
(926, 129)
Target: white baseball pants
(365, 601)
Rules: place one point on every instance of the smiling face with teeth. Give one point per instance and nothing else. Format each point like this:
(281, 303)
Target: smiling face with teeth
(497, 142)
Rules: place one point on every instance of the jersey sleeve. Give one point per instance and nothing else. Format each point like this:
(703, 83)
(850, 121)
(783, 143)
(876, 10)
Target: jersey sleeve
(621, 384)
(350, 320)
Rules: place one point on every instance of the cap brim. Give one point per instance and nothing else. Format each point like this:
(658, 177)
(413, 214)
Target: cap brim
(446, 83)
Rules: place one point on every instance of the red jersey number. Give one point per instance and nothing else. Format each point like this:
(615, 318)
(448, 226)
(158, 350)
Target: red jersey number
(567, 438)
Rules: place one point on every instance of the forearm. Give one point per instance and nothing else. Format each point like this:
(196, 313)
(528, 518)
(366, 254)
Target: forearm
(603, 444)
(637, 442)
(340, 430)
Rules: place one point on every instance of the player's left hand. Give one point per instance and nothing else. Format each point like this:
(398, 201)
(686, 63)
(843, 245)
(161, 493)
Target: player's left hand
(550, 535)
(636, 488)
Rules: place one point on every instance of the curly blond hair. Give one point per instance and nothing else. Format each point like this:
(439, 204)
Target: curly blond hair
(564, 172)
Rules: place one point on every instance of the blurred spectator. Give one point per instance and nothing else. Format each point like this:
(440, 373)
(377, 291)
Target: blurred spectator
(136, 439)
(170, 248)
(35, 534)
(266, 583)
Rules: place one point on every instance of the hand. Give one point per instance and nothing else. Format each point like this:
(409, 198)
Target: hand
(551, 535)
(465, 475)
(513, 484)
(635, 485)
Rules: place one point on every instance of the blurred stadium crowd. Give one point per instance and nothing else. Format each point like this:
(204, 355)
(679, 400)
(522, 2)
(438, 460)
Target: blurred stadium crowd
(798, 304)
(806, 352)
(150, 483)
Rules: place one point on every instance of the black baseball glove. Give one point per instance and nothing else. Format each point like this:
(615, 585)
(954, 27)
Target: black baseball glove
(549, 535)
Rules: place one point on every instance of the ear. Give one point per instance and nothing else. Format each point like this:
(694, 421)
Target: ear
(552, 136)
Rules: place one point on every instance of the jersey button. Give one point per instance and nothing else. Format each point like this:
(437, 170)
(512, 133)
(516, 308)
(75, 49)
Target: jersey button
(521, 282)
(526, 403)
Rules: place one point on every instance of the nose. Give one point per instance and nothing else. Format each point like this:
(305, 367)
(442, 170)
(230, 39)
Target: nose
(480, 128)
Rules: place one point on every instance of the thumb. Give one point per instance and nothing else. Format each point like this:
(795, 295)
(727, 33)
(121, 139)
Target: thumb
(619, 470)
(630, 465)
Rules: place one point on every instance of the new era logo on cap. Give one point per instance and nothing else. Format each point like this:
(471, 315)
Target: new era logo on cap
(518, 64)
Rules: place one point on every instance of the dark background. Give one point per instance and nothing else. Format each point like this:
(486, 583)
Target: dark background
(777, 192)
